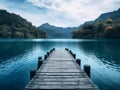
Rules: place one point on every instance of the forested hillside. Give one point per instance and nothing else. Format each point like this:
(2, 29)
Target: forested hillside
(14, 26)
(106, 26)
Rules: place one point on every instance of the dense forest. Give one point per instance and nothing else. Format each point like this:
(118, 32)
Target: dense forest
(106, 26)
(100, 29)
(14, 26)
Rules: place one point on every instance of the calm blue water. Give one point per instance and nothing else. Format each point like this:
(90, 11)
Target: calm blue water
(17, 57)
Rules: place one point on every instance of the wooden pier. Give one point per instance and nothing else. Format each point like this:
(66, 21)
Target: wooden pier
(60, 71)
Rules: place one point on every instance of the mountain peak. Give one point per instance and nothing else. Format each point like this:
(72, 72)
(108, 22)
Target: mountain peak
(46, 24)
(118, 10)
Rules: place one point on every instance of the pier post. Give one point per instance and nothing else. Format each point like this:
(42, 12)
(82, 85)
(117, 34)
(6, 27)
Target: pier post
(45, 57)
(48, 53)
(39, 58)
(52, 50)
(87, 69)
(74, 55)
(70, 52)
(78, 61)
(66, 49)
(32, 73)
(40, 61)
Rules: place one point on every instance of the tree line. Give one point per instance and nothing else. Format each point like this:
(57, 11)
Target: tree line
(14, 26)
(99, 29)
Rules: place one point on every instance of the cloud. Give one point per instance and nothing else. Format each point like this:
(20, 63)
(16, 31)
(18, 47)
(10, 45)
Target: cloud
(2, 6)
(60, 12)
(75, 11)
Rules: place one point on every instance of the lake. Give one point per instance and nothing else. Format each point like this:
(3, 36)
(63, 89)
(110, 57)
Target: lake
(18, 56)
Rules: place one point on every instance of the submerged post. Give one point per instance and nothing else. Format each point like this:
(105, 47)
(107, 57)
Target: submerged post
(87, 69)
(40, 61)
(78, 61)
(32, 73)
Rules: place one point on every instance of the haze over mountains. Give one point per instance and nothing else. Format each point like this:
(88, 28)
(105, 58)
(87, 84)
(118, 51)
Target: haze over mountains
(57, 32)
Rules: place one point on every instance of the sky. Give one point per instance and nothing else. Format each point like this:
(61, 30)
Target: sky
(63, 13)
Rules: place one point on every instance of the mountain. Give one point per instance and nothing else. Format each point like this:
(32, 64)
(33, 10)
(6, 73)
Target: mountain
(113, 15)
(14, 26)
(89, 29)
(107, 25)
(57, 32)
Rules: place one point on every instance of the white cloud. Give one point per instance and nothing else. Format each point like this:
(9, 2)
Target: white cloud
(74, 12)
(2, 6)
(63, 12)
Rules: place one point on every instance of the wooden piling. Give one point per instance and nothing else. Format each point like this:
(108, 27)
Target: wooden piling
(78, 61)
(52, 50)
(66, 49)
(32, 73)
(87, 69)
(70, 52)
(39, 58)
(74, 55)
(45, 57)
(48, 53)
(40, 61)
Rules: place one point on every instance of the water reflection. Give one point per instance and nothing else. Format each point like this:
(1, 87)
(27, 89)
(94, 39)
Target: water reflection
(106, 51)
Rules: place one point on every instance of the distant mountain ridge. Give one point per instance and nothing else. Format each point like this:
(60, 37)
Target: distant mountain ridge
(60, 32)
(57, 32)
(113, 15)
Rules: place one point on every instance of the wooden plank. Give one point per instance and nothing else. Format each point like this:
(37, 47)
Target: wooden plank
(58, 87)
(41, 79)
(61, 74)
(58, 76)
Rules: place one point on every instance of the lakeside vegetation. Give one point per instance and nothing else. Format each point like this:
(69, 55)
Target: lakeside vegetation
(14, 26)
(100, 29)
(107, 25)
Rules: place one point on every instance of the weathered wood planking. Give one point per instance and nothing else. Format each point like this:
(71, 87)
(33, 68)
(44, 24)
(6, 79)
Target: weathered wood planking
(60, 71)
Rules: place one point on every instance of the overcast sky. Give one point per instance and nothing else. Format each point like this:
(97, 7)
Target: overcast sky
(59, 12)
